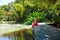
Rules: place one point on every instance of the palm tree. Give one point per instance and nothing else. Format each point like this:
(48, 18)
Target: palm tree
(19, 11)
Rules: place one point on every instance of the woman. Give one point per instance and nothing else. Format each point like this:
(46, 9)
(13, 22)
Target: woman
(34, 24)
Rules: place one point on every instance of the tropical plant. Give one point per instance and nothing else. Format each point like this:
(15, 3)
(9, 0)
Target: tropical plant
(57, 22)
(39, 15)
(19, 11)
(54, 18)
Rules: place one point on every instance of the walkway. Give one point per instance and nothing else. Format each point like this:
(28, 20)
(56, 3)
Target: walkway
(7, 28)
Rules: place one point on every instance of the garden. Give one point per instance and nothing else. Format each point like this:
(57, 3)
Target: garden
(24, 12)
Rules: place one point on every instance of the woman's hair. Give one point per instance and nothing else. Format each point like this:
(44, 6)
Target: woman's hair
(35, 19)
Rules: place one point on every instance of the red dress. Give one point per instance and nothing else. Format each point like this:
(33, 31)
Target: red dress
(35, 23)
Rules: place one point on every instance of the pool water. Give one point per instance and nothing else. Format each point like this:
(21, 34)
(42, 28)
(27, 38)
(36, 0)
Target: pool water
(18, 35)
(47, 32)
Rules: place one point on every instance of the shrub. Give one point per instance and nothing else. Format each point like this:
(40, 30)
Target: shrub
(39, 15)
(53, 17)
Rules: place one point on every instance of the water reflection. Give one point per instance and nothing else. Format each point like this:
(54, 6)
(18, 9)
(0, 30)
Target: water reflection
(18, 35)
(4, 38)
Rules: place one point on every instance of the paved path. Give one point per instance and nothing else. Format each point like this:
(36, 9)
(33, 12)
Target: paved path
(7, 28)
(47, 32)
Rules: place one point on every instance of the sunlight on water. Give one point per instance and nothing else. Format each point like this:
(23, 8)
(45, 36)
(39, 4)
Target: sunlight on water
(25, 34)
(15, 32)
(7, 28)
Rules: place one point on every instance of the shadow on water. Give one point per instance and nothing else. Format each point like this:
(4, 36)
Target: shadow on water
(25, 34)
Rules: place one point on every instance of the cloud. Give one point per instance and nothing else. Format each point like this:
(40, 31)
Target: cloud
(3, 2)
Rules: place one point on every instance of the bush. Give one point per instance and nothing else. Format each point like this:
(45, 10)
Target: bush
(53, 17)
(39, 15)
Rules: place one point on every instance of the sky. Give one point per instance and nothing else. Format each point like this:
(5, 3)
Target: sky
(4, 2)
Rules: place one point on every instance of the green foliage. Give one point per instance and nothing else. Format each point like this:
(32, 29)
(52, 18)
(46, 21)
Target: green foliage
(29, 3)
(39, 15)
(56, 19)
(53, 17)
(19, 9)
(29, 9)
(2, 14)
(18, 12)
